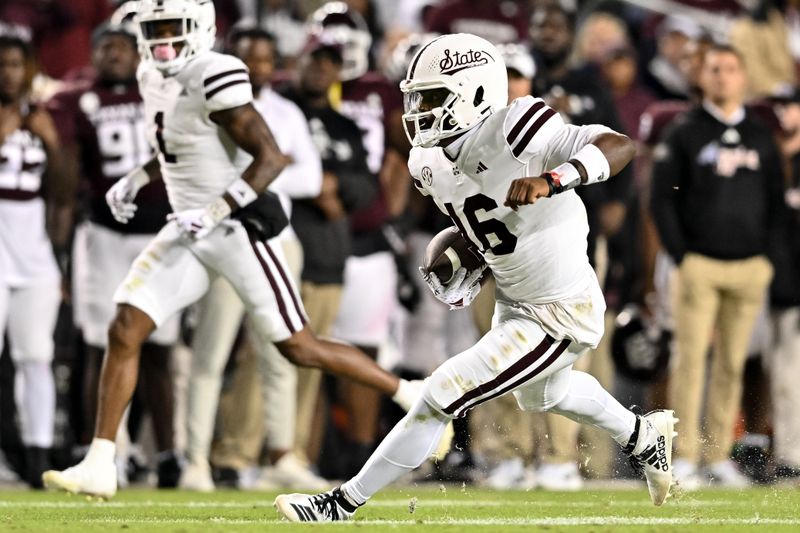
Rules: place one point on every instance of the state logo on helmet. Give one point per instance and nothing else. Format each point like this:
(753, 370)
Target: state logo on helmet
(337, 23)
(171, 32)
(453, 83)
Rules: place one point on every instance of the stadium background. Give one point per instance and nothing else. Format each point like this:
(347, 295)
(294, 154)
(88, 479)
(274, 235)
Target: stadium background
(611, 39)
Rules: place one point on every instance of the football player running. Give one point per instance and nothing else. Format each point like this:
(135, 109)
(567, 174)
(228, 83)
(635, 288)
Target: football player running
(505, 175)
(216, 157)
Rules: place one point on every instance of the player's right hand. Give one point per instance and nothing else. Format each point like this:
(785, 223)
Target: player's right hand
(525, 191)
(120, 199)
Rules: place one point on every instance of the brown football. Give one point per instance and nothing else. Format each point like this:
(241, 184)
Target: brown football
(447, 252)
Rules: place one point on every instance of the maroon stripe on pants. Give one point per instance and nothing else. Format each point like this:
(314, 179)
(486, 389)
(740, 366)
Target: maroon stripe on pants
(549, 361)
(506, 375)
(275, 289)
(297, 307)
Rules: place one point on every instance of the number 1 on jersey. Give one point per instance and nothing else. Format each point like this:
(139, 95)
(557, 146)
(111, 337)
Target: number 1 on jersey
(483, 228)
(162, 146)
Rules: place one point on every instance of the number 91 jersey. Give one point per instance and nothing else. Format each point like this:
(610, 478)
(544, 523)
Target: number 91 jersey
(198, 159)
(537, 253)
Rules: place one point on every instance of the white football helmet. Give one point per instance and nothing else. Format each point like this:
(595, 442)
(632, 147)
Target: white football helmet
(190, 24)
(453, 83)
(336, 22)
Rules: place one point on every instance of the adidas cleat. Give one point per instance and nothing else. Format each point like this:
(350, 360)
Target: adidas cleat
(650, 451)
(328, 506)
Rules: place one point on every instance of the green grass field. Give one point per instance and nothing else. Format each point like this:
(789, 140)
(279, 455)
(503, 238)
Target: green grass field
(424, 508)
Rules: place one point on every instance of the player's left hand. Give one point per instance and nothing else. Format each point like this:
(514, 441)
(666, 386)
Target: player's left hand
(525, 191)
(460, 291)
(194, 223)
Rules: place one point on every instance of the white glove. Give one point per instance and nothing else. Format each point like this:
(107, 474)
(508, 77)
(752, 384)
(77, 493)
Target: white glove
(461, 290)
(120, 196)
(197, 223)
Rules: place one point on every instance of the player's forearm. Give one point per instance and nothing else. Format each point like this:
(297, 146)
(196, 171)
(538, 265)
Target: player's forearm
(248, 130)
(618, 149)
(257, 176)
(606, 155)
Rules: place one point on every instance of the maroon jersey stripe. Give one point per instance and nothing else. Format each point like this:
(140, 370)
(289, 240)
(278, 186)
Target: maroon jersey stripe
(275, 290)
(526, 138)
(16, 194)
(221, 75)
(517, 129)
(224, 86)
(297, 307)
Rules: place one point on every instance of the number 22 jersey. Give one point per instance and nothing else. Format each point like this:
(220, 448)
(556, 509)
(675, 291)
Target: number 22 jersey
(26, 256)
(537, 253)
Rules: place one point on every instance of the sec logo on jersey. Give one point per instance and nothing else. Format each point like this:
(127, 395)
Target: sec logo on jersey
(427, 175)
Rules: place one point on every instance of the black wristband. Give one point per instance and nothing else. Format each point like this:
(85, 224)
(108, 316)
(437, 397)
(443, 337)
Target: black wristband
(554, 189)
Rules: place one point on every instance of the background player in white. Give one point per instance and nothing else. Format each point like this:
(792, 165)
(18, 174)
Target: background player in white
(30, 283)
(102, 127)
(215, 155)
(475, 157)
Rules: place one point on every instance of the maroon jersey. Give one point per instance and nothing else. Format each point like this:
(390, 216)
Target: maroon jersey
(370, 101)
(107, 124)
(500, 22)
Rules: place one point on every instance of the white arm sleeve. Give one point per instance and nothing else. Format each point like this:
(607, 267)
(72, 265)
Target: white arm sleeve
(303, 177)
(568, 140)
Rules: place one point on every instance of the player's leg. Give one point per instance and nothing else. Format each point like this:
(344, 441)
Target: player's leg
(30, 331)
(580, 397)
(258, 273)
(165, 278)
(513, 353)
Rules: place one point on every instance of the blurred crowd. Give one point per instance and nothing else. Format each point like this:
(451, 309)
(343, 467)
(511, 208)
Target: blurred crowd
(694, 243)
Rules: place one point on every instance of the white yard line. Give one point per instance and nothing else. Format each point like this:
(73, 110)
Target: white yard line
(421, 503)
(552, 521)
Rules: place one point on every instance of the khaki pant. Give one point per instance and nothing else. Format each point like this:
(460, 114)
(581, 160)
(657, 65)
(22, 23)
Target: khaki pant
(322, 307)
(784, 368)
(727, 295)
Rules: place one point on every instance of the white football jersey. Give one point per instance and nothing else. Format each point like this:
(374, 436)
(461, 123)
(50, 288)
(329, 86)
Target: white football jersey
(198, 159)
(538, 253)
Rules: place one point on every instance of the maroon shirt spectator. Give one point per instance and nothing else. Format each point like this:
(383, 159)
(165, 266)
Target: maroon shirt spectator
(106, 122)
(370, 101)
(499, 22)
